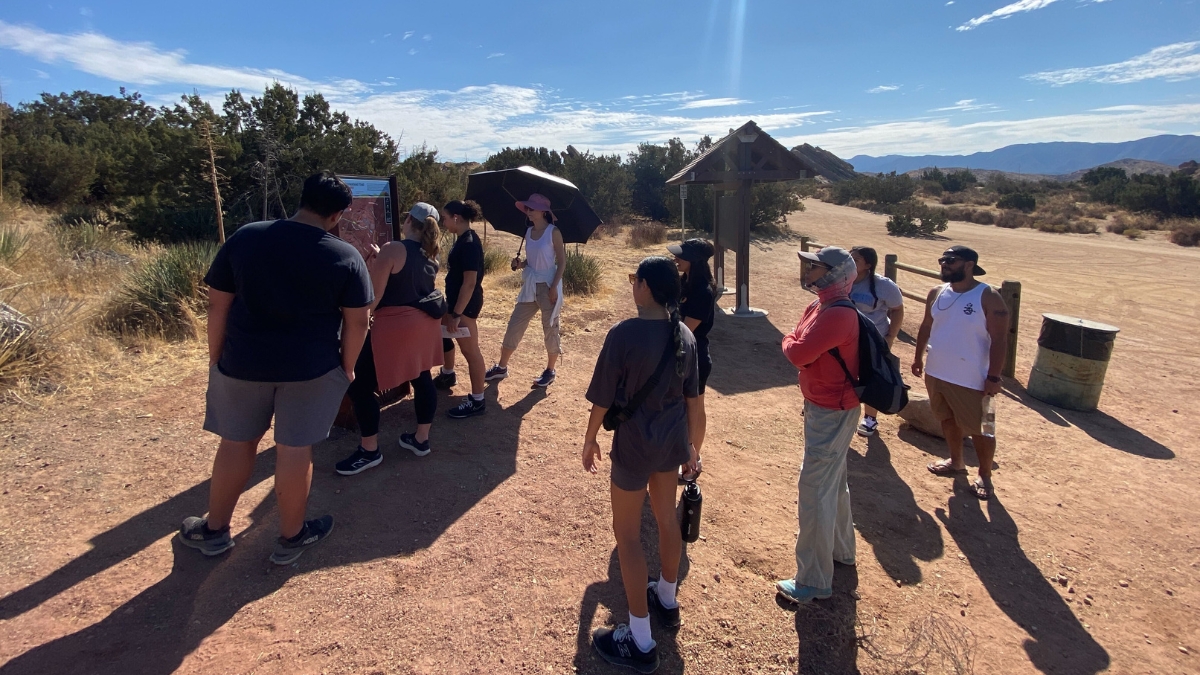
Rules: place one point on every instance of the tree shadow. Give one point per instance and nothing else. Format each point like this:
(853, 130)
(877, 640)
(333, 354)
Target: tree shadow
(827, 630)
(747, 356)
(1098, 424)
(396, 509)
(610, 593)
(1057, 642)
(887, 516)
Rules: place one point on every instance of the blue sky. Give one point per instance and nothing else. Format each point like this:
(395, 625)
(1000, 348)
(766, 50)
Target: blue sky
(469, 77)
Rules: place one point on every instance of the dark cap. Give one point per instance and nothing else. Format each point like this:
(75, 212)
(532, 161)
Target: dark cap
(967, 254)
(692, 250)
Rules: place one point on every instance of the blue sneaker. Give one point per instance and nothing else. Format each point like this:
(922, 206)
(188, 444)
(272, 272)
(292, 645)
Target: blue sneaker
(799, 593)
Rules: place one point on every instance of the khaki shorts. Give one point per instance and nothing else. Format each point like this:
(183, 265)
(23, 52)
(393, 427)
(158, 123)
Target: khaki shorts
(954, 402)
(241, 410)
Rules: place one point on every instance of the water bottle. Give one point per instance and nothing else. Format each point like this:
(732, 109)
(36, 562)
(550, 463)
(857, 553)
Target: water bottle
(689, 511)
(989, 416)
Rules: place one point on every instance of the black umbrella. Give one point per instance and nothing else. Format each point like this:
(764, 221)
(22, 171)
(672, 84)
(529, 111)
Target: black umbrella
(497, 193)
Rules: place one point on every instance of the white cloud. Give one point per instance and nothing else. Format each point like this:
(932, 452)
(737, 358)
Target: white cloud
(711, 103)
(41, 74)
(85, 11)
(1005, 12)
(1174, 63)
(408, 34)
(412, 52)
(883, 88)
(496, 55)
(939, 136)
(965, 105)
(427, 37)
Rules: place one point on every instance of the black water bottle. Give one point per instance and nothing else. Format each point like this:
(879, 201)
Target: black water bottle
(689, 511)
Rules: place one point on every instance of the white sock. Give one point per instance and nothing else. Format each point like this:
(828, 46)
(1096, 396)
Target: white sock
(666, 593)
(447, 372)
(476, 397)
(640, 627)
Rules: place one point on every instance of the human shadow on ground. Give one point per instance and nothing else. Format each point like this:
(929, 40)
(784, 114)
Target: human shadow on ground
(827, 630)
(747, 356)
(610, 593)
(1057, 641)
(1099, 425)
(937, 447)
(887, 516)
(398, 508)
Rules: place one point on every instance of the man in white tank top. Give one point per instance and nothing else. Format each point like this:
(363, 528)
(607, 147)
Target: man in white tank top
(966, 331)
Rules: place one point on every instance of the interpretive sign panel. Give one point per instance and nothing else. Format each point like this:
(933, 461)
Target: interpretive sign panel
(372, 217)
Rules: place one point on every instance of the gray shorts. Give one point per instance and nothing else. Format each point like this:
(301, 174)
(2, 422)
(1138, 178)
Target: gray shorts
(241, 410)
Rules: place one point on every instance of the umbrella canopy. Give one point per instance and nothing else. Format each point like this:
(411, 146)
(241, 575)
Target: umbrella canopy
(497, 193)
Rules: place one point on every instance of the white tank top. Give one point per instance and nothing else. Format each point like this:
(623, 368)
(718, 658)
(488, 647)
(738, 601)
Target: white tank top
(539, 253)
(959, 344)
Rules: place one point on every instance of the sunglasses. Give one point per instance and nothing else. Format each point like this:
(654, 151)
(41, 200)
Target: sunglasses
(949, 259)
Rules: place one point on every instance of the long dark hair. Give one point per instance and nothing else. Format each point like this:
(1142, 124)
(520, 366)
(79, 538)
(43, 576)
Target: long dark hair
(699, 274)
(870, 257)
(468, 210)
(662, 278)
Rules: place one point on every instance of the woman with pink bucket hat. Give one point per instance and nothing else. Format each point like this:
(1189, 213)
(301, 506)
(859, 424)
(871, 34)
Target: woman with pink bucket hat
(541, 291)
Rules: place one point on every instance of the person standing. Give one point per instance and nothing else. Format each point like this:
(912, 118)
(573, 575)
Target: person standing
(648, 449)
(288, 312)
(966, 330)
(880, 300)
(544, 265)
(697, 306)
(405, 341)
(464, 296)
(830, 413)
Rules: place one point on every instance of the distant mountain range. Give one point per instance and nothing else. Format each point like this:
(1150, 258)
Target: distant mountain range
(1044, 158)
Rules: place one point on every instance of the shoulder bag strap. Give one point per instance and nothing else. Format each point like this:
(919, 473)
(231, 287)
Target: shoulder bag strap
(640, 397)
(837, 355)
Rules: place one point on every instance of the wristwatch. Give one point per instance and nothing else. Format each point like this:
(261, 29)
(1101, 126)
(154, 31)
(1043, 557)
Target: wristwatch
(456, 315)
(993, 378)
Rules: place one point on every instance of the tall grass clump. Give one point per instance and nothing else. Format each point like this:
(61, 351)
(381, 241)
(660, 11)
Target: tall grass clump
(165, 296)
(13, 242)
(646, 234)
(1185, 233)
(582, 276)
(93, 241)
(495, 260)
(27, 340)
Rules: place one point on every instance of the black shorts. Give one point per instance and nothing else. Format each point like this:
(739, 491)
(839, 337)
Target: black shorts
(705, 371)
(474, 305)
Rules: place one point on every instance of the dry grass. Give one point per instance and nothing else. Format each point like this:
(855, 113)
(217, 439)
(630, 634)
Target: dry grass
(1134, 221)
(935, 643)
(1185, 232)
(646, 234)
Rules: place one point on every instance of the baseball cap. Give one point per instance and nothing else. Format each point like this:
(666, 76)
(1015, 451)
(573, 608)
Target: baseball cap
(420, 211)
(830, 256)
(692, 250)
(967, 254)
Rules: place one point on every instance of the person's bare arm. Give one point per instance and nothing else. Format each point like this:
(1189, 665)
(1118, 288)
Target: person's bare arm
(695, 410)
(355, 321)
(895, 323)
(390, 259)
(691, 323)
(560, 264)
(918, 365)
(219, 303)
(591, 447)
(996, 313)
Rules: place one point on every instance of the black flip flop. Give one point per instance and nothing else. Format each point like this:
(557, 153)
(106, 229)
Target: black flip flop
(982, 489)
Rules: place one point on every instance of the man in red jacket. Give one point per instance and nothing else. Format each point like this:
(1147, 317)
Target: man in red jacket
(830, 417)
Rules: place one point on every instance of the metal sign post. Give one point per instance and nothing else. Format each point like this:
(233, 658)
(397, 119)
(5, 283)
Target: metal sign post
(682, 212)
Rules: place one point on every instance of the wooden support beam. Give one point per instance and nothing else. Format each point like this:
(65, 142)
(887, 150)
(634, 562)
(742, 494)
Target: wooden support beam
(1010, 291)
(889, 266)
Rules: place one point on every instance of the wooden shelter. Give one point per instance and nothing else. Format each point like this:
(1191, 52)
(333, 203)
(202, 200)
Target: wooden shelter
(732, 165)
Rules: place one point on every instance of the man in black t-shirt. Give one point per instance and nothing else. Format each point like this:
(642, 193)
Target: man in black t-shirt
(288, 311)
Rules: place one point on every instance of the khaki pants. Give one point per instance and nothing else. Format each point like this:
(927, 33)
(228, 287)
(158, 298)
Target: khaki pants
(523, 314)
(826, 527)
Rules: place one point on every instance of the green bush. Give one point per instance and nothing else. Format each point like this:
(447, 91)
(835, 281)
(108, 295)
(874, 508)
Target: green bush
(1021, 201)
(1186, 234)
(1133, 233)
(165, 296)
(914, 219)
(582, 276)
(495, 260)
(1013, 219)
(13, 242)
(890, 188)
(88, 240)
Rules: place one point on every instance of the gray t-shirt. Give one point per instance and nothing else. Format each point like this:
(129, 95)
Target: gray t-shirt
(657, 434)
(887, 297)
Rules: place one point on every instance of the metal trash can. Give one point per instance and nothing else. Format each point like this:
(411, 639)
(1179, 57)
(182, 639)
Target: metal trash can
(1072, 359)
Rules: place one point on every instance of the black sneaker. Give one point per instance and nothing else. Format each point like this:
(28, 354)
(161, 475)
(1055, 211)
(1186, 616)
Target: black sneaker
(468, 408)
(495, 373)
(545, 380)
(313, 533)
(669, 618)
(617, 647)
(445, 380)
(409, 442)
(194, 533)
(359, 462)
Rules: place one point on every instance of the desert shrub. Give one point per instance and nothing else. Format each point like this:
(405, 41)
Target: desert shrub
(1021, 201)
(82, 213)
(27, 340)
(931, 188)
(1141, 221)
(981, 217)
(967, 215)
(1013, 219)
(607, 229)
(165, 296)
(1133, 233)
(914, 219)
(1063, 226)
(646, 234)
(891, 188)
(582, 276)
(13, 243)
(1185, 232)
(495, 260)
(87, 240)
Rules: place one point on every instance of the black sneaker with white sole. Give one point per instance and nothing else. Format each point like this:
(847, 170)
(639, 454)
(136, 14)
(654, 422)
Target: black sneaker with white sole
(359, 462)
(495, 373)
(545, 380)
(668, 617)
(194, 533)
(617, 646)
(468, 408)
(867, 427)
(445, 380)
(314, 532)
(418, 448)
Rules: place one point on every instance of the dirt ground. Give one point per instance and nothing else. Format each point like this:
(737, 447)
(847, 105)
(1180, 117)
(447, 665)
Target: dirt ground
(494, 554)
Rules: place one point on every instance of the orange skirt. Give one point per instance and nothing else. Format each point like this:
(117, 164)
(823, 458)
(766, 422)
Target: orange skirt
(406, 342)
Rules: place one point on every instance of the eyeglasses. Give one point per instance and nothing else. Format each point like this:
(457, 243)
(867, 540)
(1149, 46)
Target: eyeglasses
(949, 259)
(633, 278)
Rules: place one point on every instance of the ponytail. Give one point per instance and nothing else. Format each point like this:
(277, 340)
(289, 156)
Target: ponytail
(662, 278)
(870, 257)
(430, 236)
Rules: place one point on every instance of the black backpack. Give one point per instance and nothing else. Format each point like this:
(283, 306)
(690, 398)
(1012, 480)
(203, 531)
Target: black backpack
(879, 383)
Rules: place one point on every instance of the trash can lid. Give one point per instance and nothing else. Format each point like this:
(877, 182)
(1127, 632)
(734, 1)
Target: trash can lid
(1082, 323)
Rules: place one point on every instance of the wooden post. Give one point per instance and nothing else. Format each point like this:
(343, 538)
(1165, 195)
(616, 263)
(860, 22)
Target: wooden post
(742, 278)
(718, 250)
(1010, 292)
(803, 263)
(889, 266)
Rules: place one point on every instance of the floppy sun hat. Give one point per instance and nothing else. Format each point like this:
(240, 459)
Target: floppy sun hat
(536, 202)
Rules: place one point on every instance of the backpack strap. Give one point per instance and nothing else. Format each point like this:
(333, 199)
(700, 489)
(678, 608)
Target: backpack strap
(837, 355)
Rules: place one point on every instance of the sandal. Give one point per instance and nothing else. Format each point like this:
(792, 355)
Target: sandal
(983, 489)
(944, 468)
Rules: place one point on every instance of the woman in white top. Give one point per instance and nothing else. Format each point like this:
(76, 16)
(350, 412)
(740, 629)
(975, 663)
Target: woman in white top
(543, 267)
(880, 300)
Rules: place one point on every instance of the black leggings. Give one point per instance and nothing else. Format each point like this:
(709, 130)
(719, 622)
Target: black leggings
(366, 405)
